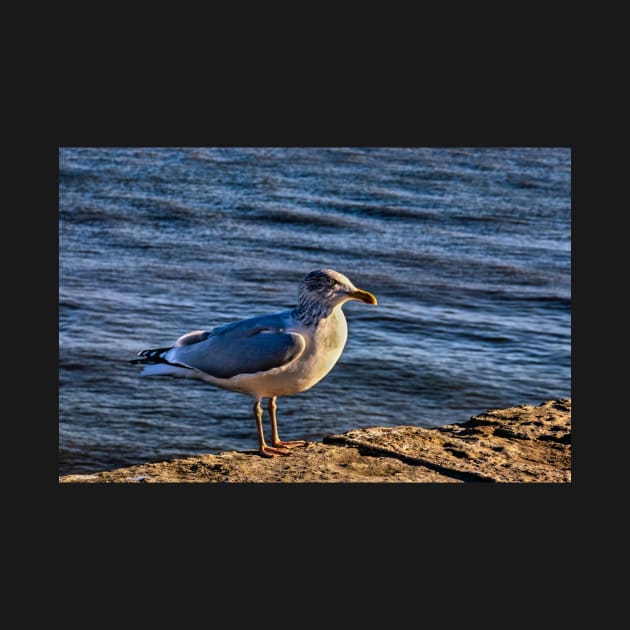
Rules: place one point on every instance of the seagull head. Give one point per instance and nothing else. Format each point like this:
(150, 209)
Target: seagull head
(327, 288)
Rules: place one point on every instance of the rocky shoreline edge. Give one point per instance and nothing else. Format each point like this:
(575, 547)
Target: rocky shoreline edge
(526, 443)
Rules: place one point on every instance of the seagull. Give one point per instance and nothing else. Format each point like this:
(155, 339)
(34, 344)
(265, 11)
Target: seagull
(269, 355)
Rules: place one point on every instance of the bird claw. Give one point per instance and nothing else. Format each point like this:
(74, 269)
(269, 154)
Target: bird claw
(289, 443)
(270, 451)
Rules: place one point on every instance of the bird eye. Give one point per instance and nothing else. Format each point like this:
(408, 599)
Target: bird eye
(331, 282)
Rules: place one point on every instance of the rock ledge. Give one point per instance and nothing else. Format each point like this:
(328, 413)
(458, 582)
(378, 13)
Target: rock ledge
(520, 444)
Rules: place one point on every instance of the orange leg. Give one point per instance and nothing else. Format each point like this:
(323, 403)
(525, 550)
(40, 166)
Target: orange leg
(275, 439)
(265, 451)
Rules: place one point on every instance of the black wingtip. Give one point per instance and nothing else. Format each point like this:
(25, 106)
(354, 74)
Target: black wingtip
(151, 355)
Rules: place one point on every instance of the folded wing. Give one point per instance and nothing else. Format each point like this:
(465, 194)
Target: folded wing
(237, 350)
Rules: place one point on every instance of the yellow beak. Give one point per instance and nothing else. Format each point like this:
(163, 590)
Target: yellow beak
(364, 296)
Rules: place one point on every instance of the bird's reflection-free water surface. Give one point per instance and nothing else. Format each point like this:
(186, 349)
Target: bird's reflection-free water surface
(468, 251)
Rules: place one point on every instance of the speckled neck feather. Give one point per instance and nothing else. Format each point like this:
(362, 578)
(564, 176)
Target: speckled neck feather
(311, 308)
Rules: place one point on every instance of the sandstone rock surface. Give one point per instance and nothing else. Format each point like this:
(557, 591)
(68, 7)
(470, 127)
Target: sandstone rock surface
(527, 443)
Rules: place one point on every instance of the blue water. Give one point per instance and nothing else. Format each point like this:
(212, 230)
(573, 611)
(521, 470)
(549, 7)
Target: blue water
(468, 251)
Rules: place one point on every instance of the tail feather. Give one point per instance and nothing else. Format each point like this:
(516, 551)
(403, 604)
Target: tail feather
(155, 363)
(167, 369)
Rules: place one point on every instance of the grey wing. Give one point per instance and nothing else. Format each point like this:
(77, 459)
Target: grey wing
(225, 355)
